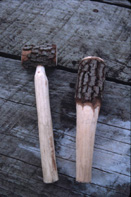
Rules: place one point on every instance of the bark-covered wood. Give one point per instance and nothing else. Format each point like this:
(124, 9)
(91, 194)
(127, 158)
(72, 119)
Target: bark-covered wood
(44, 55)
(90, 80)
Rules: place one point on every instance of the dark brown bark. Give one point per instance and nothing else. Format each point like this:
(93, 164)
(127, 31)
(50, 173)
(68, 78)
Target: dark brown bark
(90, 80)
(33, 56)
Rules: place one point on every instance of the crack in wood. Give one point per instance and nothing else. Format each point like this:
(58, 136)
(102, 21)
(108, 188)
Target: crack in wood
(60, 67)
(113, 3)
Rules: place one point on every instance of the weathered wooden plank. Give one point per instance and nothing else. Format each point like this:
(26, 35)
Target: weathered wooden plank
(25, 180)
(103, 160)
(71, 173)
(21, 142)
(104, 149)
(103, 130)
(115, 134)
(18, 178)
(18, 86)
(24, 147)
(20, 172)
(19, 135)
(78, 28)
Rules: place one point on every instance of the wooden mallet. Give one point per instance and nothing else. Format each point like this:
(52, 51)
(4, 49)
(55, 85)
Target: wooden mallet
(89, 88)
(39, 56)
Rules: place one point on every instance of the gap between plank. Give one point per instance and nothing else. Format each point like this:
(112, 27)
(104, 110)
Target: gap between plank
(115, 4)
(59, 67)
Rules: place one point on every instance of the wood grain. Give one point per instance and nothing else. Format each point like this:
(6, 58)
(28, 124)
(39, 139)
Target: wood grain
(85, 136)
(46, 137)
(78, 28)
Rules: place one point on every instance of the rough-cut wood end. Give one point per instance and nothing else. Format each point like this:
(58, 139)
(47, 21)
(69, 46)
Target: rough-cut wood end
(44, 55)
(90, 81)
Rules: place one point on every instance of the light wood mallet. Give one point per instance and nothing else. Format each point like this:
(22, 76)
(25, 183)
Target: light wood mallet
(40, 56)
(89, 88)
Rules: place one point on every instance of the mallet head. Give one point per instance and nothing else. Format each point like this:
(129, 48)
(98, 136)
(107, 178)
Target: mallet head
(90, 81)
(44, 55)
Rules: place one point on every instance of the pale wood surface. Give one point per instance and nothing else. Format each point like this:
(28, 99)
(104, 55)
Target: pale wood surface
(20, 162)
(85, 136)
(46, 138)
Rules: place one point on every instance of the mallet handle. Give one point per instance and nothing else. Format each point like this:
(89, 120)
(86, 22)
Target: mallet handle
(86, 127)
(89, 89)
(45, 127)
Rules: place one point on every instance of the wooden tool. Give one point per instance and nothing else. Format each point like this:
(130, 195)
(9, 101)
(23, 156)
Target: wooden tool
(90, 82)
(33, 56)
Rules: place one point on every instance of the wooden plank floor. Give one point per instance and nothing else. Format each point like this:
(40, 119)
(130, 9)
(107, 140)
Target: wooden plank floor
(79, 28)
(19, 150)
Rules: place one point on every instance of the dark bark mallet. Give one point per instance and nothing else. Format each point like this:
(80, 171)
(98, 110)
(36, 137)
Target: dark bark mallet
(45, 55)
(89, 88)
(40, 57)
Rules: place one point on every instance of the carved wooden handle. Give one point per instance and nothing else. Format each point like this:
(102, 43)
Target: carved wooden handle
(45, 127)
